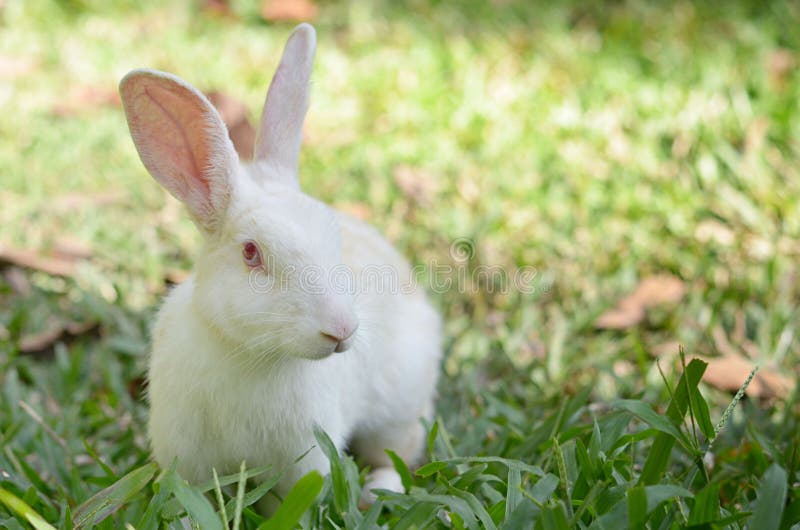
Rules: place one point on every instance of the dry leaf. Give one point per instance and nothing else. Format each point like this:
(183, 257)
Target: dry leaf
(74, 201)
(415, 184)
(240, 130)
(220, 8)
(664, 349)
(780, 64)
(31, 260)
(17, 280)
(620, 317)
(756, 135)
(44, 340)
(85, 98)
(289, 10)
(729, 372)
(70, 248)
(40, 341)
(653, 291)
(359, 210)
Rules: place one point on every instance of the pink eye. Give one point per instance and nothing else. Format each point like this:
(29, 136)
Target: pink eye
(251, 255)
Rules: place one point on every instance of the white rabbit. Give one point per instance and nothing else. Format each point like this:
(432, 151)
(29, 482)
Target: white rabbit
(259, 346)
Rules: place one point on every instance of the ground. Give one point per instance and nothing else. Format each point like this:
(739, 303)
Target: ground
(641, 162)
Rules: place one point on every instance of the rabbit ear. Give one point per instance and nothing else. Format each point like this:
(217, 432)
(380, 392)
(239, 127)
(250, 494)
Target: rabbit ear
(182, 142)
(281, 128)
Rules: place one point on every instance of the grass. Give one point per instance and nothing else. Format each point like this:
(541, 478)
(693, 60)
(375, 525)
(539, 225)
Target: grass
(599, 143)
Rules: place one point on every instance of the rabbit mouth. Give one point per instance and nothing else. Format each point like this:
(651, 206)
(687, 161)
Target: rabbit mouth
(344, 345)
(341, 343)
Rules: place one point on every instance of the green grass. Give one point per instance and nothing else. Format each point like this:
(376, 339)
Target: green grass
(599, 143)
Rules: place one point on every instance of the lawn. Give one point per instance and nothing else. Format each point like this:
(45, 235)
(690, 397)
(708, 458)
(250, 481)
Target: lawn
(640, 161)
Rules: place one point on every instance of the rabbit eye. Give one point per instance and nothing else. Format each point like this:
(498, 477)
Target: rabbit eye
(251, 254)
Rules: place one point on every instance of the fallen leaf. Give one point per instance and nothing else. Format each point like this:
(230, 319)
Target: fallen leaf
(240, 130)
(662, 289)
(415, 184)
(74, 201)
(44, 340)
(38, 342)
(780, 64)
(17, 281)
(730, 371)
(85, 98)
(620, 317)
(664, 349)
(220, 8)
(76, 329)
(70, 248)
(359, 210)
(653, 291)
(289, 10)
(31, 260)
(756, 135)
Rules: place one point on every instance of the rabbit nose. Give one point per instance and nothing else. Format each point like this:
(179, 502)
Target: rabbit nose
(342, 336)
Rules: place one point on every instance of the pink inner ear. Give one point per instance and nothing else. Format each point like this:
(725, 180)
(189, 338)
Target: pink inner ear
(182, 132)
(171, 132)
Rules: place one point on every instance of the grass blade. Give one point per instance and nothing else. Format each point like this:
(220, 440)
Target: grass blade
(770, 499)
(297, 501)
(402, 469)
(18, 506)
(195, 504)
(637, 507)
(106, 501)
(659, 456)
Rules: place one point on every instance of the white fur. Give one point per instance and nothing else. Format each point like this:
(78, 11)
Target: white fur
(240, 374)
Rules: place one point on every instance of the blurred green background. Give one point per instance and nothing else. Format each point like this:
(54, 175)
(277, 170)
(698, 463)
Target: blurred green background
(603, 143)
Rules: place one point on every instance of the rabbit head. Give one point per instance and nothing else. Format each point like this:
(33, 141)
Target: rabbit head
(262, 278)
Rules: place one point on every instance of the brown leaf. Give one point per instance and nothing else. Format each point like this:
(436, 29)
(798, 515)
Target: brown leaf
(17, 280)
(70, 248)
(73, 201)
(359, 210)
(415, 184)
(85, 98)
(240, 130)
(38, 342)
(780, 63)
(31, 260)
(662, 289)
(729, 372)
(289, 10)
(220, 8)
(44, 340)
(653, 291)
(664, 349)
(621, 317)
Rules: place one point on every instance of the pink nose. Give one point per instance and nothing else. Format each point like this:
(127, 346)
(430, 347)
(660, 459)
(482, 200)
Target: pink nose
(343, 337)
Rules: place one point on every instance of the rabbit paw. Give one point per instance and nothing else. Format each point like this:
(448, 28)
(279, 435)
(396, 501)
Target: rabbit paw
(382, 478)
